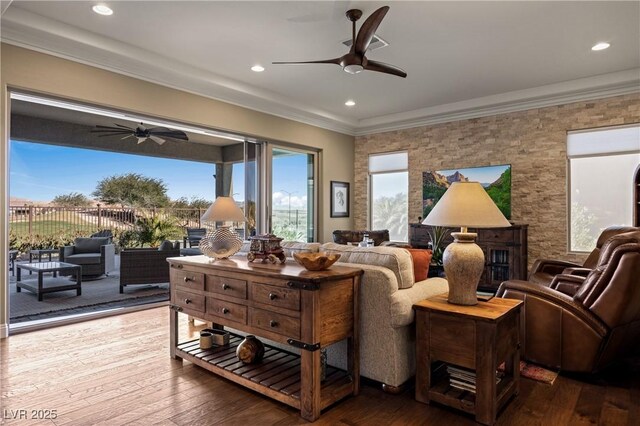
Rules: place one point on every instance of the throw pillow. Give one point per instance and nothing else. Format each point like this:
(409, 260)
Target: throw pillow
(421, 261)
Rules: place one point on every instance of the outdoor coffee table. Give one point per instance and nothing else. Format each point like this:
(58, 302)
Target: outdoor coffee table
(43, 267)
(40, 252)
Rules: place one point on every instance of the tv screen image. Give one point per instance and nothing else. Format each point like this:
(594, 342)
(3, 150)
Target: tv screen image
(496, 180)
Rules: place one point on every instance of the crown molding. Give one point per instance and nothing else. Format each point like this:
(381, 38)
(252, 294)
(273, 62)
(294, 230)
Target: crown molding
(589, 88)
(25, 29)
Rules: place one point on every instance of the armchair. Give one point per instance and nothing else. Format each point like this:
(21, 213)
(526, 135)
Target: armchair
(586, 331)
(345, 236)
(193, 237)
(96, 256)
(544, 270)
(146, 265)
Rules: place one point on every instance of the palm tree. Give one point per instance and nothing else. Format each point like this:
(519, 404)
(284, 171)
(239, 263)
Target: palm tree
(392, 213)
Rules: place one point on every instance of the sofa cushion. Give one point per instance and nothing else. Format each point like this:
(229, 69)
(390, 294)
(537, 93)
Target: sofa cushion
(398, 260)
(84, 259)
(89, 245)
(291, 247)
(421, 260)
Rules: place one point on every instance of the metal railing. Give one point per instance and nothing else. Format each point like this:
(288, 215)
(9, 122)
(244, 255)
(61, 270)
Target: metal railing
(47, 220)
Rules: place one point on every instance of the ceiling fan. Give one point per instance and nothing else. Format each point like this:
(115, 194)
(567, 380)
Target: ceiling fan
(355, 61)
(156, 134)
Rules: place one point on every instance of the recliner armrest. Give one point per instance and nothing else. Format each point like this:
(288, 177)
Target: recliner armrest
(551, 266)
(580, 272)
(554, 297)
(567, 284)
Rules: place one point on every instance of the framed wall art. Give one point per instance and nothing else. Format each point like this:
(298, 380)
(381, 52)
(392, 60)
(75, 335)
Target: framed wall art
(339, 199)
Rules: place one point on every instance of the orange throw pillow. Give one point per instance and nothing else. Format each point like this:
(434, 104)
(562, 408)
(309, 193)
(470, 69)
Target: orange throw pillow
(421, 261)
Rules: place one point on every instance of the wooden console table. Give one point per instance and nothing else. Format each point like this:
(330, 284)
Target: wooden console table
(284, 303)
(479, 338)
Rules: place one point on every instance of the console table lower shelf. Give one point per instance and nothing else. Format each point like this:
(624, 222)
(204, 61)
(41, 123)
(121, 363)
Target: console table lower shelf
(277, 375)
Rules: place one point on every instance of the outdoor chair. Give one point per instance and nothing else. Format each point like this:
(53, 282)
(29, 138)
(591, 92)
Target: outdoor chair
(193, 237)
(96, 256)
(146, 265)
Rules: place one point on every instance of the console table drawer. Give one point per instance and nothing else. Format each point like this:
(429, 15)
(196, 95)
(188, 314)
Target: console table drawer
(275, 296)
(188, 300)
(228, 310)
(227, 286)
(187, 279)
(276, 323)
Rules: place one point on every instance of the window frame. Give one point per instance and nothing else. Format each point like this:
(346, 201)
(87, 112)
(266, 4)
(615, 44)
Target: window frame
(370, 185)
(568, 172)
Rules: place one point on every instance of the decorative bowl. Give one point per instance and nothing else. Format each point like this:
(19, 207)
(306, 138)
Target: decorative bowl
(316, 261)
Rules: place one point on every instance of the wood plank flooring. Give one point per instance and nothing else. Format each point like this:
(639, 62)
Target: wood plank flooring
(117, 371)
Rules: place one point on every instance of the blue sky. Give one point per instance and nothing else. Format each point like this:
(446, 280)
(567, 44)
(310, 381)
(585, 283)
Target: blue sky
(39, 172)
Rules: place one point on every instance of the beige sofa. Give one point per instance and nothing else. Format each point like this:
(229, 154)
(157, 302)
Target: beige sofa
(387, 293)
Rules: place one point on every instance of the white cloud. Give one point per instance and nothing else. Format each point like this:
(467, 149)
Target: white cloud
(281, 201)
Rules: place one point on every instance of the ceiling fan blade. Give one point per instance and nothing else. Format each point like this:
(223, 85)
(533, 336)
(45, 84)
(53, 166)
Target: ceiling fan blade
(141, 139)
(112, 132)
(120, 125)
(384, 68)
(120, 129)
(126, 137)
(368, 29)
(168, 133)
(157, 140)
(324, 61)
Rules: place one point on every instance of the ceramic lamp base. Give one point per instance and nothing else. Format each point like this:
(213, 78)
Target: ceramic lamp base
(221, 243)
(463, 263)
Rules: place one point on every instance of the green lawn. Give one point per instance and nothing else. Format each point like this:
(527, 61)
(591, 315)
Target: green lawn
(50, 227)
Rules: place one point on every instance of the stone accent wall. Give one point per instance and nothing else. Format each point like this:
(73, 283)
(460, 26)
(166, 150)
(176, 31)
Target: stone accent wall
(533, 142)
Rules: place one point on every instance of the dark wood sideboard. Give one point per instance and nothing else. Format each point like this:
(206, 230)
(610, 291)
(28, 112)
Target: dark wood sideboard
(284, 303)
(505, 251)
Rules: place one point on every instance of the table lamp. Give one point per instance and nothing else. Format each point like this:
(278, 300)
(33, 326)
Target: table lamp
(465, 204)
(223, 241)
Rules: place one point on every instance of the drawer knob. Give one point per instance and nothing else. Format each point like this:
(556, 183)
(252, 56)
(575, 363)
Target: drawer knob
(187, 301)
(187, 279)
(273, 296)
(176, 266)
(273, 323)
(225, 311)
(226, 286)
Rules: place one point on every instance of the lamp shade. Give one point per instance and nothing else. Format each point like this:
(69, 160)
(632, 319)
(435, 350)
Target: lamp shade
(224, 209)
(466, 204)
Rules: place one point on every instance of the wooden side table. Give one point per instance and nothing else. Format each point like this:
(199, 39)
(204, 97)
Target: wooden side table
(479, 338)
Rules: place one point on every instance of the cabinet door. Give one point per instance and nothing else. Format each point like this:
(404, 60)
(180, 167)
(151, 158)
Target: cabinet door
(499, 263)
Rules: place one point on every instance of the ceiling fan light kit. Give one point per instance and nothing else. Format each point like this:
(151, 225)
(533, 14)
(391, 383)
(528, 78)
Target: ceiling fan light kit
(355, 61)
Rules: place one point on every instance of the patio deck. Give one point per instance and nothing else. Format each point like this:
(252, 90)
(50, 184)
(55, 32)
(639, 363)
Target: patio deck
(96, 295)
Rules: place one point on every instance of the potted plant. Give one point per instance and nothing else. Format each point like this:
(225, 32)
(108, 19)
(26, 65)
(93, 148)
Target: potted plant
(437, 234)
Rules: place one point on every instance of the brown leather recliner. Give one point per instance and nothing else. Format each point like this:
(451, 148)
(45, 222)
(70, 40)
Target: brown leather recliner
(544, 270)
(584, 332)
(344, 237)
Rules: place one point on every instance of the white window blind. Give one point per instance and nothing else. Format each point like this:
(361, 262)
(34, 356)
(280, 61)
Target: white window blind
(606, 141)
(388, 162)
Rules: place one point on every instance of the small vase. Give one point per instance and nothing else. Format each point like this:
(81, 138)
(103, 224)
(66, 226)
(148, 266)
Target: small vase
(250, 350)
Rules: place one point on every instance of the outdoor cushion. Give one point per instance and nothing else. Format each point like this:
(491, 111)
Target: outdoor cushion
(398, 260)
(89, 245)
(83, 259)
(166, 245)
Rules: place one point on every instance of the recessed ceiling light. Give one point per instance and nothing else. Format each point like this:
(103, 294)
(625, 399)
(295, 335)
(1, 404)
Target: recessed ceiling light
(257, 68)
(350, 102)
(600, 46)
(101, 9)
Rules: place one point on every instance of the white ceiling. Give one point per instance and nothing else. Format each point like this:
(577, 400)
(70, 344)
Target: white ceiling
(463, 59)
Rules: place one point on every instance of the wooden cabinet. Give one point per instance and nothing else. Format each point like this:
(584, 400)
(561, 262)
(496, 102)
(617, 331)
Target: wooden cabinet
(505, 251)
(475, 338)
(284, 303)
(636, 198)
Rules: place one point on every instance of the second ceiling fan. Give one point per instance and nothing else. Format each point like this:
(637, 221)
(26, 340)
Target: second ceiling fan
(355, 61)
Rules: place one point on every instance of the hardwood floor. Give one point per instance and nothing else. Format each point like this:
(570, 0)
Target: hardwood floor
(117, 371)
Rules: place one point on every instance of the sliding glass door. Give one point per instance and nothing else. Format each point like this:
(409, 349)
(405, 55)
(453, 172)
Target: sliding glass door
(293, 193)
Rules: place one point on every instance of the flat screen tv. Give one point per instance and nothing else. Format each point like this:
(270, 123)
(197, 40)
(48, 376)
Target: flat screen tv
(496, 180)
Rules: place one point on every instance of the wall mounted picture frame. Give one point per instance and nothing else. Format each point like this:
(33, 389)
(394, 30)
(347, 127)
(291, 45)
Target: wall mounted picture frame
(339, 199)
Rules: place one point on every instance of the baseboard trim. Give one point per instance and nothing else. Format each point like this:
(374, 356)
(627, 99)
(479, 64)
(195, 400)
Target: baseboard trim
(4, 331)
